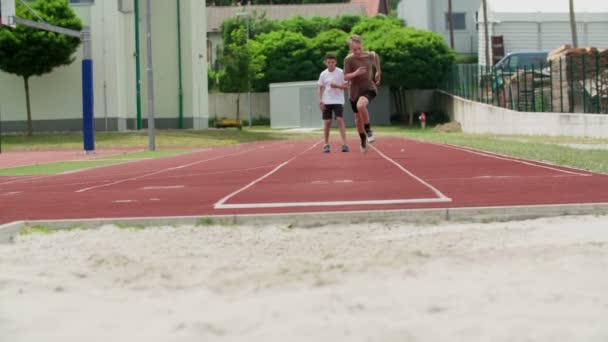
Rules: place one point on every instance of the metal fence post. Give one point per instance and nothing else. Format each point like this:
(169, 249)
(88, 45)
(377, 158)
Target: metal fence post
(584, 83)
(571, 86)
(597, 81)
(551, 84)
(561, 86)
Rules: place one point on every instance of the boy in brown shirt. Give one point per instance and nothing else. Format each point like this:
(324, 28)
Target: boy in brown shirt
(363, 86)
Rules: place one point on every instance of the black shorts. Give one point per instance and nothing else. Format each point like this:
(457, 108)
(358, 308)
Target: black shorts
(337, 109)
(369, 94)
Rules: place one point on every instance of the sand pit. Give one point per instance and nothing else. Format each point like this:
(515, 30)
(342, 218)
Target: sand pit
(539, 280)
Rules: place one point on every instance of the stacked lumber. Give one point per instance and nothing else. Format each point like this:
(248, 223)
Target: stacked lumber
(578, 75)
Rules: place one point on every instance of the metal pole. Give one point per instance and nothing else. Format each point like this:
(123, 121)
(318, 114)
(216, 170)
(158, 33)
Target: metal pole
(248, 74)
(584, 83)
(180, 91)
(561, 86)
(137, 68)
(150, 74)
(597, 81)
(88, 120)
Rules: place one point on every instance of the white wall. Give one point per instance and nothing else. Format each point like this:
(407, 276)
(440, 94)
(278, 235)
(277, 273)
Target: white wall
(481, 118)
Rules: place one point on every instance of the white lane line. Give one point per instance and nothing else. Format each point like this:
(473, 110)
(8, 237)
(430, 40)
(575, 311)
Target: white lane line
(163, 187)
(222, 203)
(12, 193)
(438, 193)
(497, 177)
(515, 160)
(124, 201)
(26, 179)
(329, 203)
(219, 204)
(161, 171)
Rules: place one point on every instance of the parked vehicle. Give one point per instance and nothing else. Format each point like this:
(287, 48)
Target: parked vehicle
(519, 60)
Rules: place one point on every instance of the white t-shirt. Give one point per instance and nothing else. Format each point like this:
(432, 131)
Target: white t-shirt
(332, 95)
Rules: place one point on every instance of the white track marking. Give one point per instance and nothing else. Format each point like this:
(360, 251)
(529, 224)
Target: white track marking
(420, 180)
(515, 160)
(161, 187)
(124, 201)
(12, 193)
(26, 179)
(161, 171)
(221, 202)
(329, 203)
(498, 177)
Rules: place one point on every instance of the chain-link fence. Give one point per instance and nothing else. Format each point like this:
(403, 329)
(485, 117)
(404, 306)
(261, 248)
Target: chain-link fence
(576, 82)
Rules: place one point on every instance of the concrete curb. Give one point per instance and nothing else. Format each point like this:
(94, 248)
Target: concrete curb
(316, 219)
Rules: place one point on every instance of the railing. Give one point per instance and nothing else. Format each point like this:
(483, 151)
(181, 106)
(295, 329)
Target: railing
(565, 84)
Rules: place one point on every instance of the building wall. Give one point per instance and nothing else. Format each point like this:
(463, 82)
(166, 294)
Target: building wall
(56, 97)
(543, 31)
(431, 15)
(480, 118)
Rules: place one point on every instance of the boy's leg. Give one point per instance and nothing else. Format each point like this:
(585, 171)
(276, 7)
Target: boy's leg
(326, 127)
(360, 115)
(339, 112)
(370, 95)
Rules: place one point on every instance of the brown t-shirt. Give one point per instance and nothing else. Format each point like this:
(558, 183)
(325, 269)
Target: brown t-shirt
(362, 83)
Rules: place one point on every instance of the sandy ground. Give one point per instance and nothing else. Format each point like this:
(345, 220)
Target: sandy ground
(540, 280)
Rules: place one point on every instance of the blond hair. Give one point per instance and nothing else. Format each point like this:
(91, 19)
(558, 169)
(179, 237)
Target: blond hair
(355, 39)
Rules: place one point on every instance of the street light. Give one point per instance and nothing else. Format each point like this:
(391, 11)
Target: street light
(246, 14)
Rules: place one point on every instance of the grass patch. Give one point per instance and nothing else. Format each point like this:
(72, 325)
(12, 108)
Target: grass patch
(204, 222)
(130, 226)
(547, 149)
(60, 167)
(27, 230)
(139, 139)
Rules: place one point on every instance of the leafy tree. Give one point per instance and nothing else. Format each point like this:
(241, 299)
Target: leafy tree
(411, 59)
(371, 28)
(346, 22)
(240, 57)
(308, 27)
(28, 52)
(288, 55)
(331, 41)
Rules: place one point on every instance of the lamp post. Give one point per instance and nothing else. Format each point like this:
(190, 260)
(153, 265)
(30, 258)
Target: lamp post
(246, 14)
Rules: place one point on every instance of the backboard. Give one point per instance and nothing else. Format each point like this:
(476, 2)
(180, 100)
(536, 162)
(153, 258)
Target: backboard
(7, 12)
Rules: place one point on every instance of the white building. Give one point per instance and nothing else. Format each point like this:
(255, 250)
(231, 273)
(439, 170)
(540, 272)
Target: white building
(543, 25)
(432, 15)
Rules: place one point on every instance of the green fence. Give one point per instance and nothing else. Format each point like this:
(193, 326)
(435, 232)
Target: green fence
(565, 84)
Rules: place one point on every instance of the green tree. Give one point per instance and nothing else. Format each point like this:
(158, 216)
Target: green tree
(28, 52)
(411, 59)
(372, 28)
(331, 41)
(288, 57)
(241, 56)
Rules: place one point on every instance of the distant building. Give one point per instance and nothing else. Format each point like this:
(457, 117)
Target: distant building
(432, 15)
(542, 25)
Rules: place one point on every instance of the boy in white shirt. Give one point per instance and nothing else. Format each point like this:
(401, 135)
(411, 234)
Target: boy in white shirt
(331, 99)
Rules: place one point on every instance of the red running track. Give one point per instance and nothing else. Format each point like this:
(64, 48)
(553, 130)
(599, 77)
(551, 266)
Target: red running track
(294, 176)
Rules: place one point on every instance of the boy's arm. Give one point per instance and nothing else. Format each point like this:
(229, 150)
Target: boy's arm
(378, 69)
(320, 94)
(349, 73)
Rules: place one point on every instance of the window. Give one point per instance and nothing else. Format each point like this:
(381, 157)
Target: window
(459, 20)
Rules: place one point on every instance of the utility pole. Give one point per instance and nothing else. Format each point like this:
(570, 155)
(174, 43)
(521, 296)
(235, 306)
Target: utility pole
(573, 25)
(150, 73)
(451, 24)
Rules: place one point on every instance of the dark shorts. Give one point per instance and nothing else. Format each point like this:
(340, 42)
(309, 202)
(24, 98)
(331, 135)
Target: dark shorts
(369, 94)
(337, 109)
